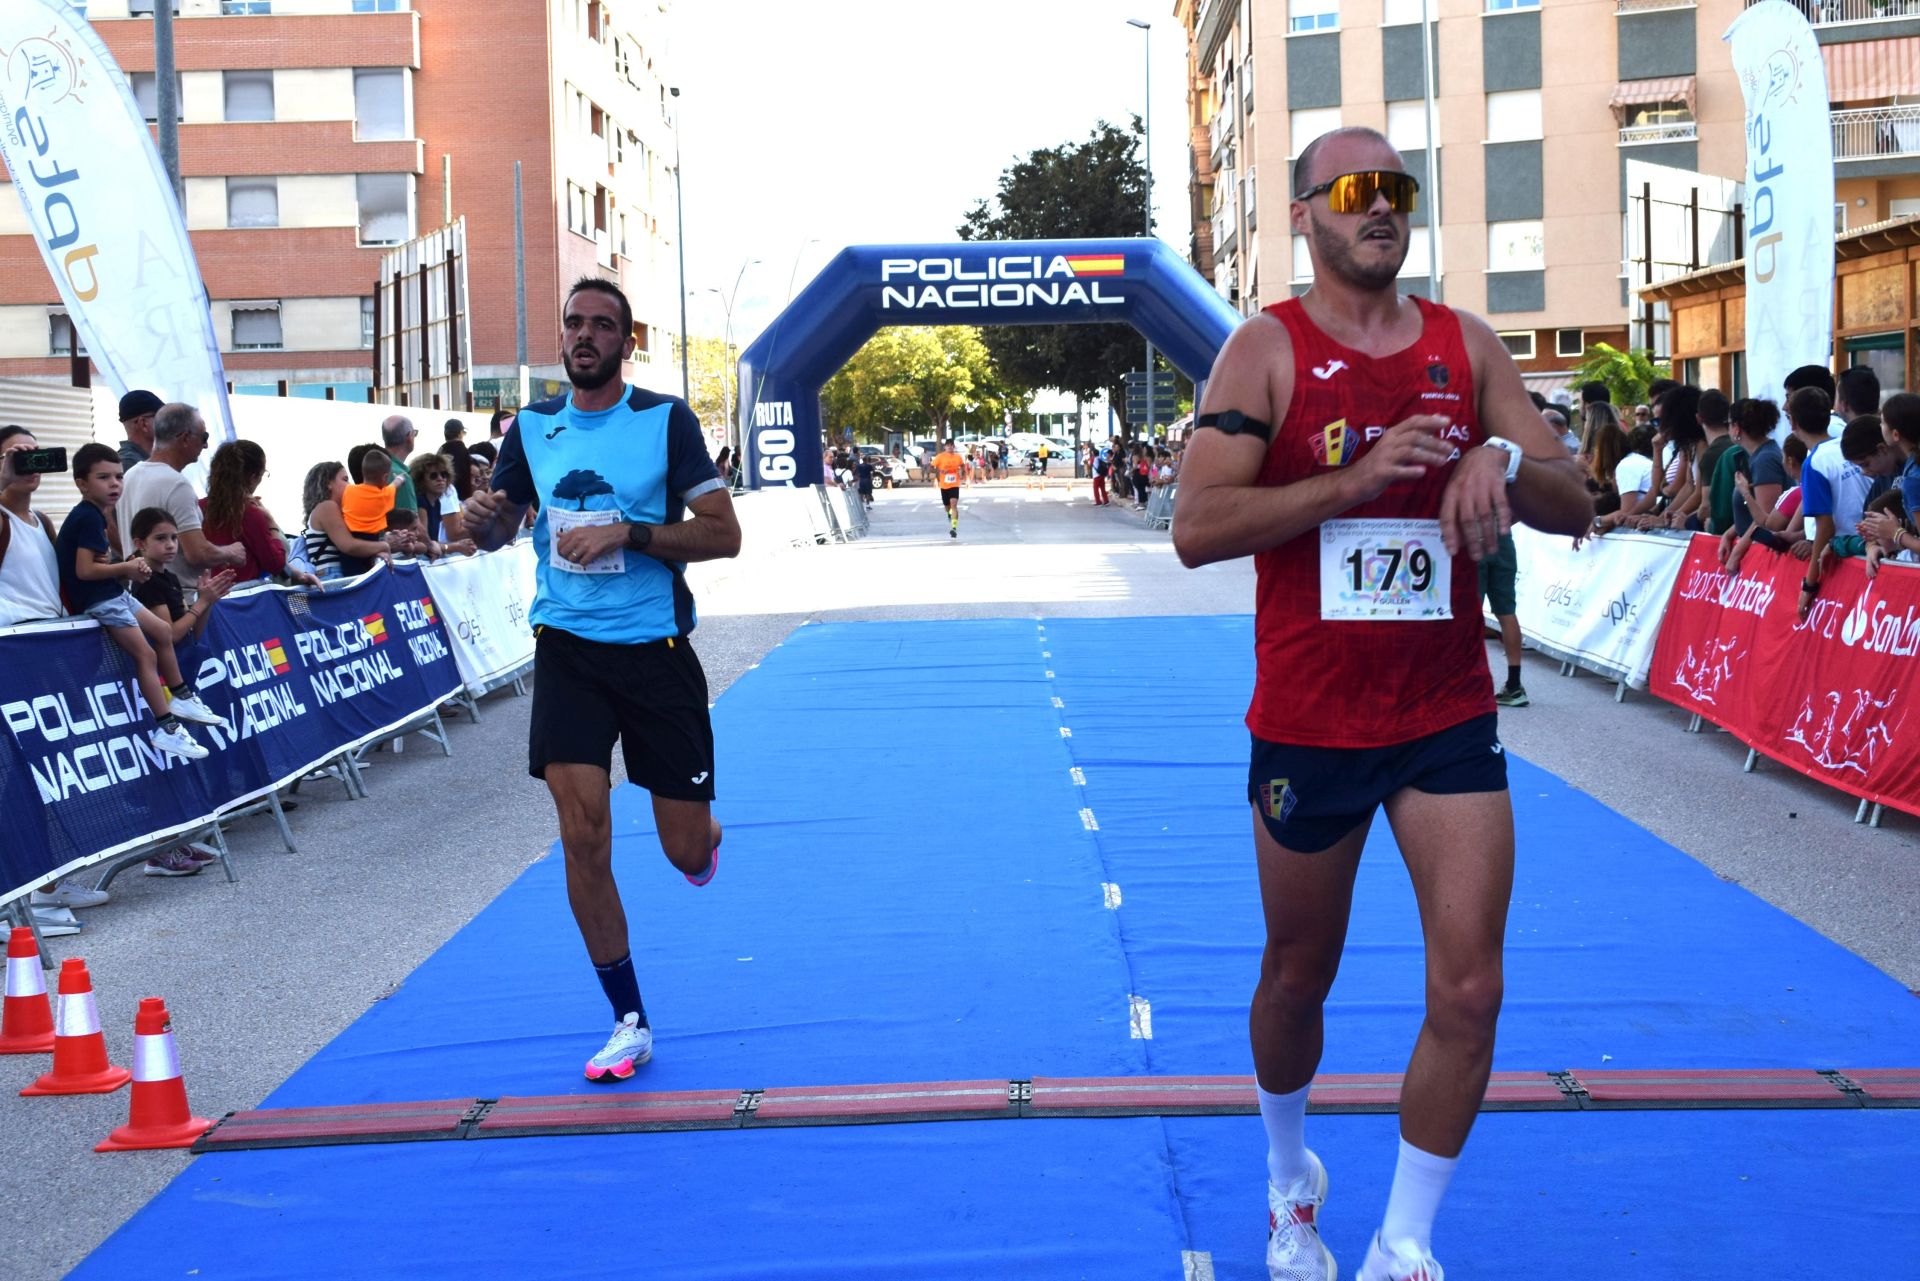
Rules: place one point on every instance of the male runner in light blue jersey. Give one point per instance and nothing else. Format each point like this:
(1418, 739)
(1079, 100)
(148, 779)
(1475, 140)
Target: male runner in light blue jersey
(627, 497)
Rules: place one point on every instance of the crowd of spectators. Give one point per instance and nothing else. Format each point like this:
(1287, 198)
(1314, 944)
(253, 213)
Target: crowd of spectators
(1836, 475)
(150, 560)
(1132, 470)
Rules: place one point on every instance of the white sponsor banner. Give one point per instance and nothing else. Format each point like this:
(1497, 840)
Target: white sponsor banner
(1789, 175)
(103, 211)
(483, 601)
(1598, 606)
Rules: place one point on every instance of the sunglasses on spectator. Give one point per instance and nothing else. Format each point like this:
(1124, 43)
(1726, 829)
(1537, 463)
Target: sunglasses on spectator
(1354, 193)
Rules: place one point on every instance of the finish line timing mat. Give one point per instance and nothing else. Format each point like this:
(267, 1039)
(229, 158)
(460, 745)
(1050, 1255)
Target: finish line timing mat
(1004, 869)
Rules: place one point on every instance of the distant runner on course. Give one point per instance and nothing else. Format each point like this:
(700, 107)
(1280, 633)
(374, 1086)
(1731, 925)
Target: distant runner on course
(1367, 449)
(949, 469)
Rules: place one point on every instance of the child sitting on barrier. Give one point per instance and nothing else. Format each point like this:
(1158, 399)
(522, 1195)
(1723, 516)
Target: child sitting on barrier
(157, 541)
(96, 586)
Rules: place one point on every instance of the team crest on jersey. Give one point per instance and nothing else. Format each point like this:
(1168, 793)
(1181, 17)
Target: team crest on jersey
(1437, 374)
(1277, 799)
(1335, 444)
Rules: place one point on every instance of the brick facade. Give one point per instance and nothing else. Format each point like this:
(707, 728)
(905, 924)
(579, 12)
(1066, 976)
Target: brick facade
(474, 100)
(272, 148)
(263, 43)
(467, 106)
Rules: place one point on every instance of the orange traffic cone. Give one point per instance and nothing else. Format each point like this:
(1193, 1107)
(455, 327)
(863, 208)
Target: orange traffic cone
(159, 1117)
(79, 1050)
(26, 1023)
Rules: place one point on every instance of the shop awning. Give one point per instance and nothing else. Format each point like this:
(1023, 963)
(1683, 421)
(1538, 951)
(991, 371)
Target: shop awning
(1644, 93)
(1862, 71)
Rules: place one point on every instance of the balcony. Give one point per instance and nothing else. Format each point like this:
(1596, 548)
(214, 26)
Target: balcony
(1827, 13)
(1672, 131)
(1866, 133)
(1220, 131)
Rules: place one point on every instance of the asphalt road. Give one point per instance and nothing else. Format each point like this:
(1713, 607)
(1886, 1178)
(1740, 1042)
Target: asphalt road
(259, 974)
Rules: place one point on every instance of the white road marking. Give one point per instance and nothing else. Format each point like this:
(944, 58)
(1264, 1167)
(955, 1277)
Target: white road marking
(1110, 894)
(1088, 821)
(1078, 775)
(1139, 1018)
(1196, 1265)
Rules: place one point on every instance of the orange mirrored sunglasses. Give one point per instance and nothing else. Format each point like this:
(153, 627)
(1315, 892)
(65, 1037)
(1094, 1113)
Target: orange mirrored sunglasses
(1354, 193)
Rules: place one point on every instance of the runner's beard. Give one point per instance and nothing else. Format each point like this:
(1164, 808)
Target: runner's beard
(1338, 257)
(594, 377)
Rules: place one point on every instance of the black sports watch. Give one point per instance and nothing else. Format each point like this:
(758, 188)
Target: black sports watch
(638, 536)
(1233, 423)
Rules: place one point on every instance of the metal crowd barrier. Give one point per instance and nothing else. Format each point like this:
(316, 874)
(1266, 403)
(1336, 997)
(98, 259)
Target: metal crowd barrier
(1160, 506)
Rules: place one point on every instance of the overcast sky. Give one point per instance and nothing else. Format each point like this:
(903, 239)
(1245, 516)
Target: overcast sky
(861, 121)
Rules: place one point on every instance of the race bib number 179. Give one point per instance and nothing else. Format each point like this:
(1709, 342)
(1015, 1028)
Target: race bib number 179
(1384, 571)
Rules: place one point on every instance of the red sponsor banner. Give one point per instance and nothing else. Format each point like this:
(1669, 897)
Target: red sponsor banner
(1832, 697)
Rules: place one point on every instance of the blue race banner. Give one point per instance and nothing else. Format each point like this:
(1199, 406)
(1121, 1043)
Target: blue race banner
(1145, 283)
(300, 678)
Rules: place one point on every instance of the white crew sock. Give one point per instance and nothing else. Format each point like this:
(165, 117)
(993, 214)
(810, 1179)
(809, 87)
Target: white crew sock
(1419, 1181)
(1285, 1116)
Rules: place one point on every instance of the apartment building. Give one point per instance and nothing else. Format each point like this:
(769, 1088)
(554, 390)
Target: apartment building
(1537, 111)
(317, 134)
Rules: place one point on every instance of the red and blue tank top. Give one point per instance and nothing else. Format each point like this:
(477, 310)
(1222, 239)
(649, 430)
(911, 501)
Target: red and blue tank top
(1366, 682)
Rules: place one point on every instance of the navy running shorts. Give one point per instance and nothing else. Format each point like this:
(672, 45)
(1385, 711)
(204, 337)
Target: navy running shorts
(1310, 797)
(651, 698)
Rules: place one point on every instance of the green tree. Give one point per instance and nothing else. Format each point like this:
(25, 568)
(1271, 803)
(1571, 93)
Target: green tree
(1626, 373)
(712, 371)
(1095, 188)
(916, 378)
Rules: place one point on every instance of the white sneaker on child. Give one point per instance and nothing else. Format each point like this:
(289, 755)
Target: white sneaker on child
(178, 742)
(188, 707)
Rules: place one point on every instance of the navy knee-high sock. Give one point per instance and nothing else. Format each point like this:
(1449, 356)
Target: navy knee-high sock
(617, 980)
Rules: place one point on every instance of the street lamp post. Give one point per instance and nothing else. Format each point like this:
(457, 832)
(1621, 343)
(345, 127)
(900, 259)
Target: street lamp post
(727, 372)
(1146, 147)
(680, 237)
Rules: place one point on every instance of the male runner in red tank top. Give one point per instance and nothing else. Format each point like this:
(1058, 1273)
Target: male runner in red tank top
(1401, 446)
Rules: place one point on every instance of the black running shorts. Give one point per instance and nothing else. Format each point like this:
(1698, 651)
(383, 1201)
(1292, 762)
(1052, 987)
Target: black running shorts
(948, 497)
(651, 697)
(1310, 797)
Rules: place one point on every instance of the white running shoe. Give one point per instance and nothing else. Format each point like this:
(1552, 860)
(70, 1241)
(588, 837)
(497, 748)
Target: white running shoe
(188, 707)
(1403, 1261)
(179, 742)
(630, 1046)
(1295, 1251)
(68, 893)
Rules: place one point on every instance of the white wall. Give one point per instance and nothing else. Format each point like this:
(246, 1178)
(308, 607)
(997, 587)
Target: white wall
(319, 200)
(313, 94)
(24, 331)
(296, 433)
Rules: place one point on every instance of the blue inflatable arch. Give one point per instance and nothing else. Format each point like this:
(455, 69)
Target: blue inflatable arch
(1140, 282)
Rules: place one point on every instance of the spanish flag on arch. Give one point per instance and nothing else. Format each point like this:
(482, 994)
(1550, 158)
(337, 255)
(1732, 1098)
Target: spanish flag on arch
(1097, 264)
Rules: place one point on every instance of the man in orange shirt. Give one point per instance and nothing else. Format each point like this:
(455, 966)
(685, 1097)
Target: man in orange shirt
(949, 469)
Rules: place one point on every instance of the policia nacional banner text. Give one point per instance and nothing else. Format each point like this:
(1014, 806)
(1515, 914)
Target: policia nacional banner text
(299, 676)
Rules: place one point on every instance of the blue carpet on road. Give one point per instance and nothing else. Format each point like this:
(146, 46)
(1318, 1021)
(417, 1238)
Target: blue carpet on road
(910, 892)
